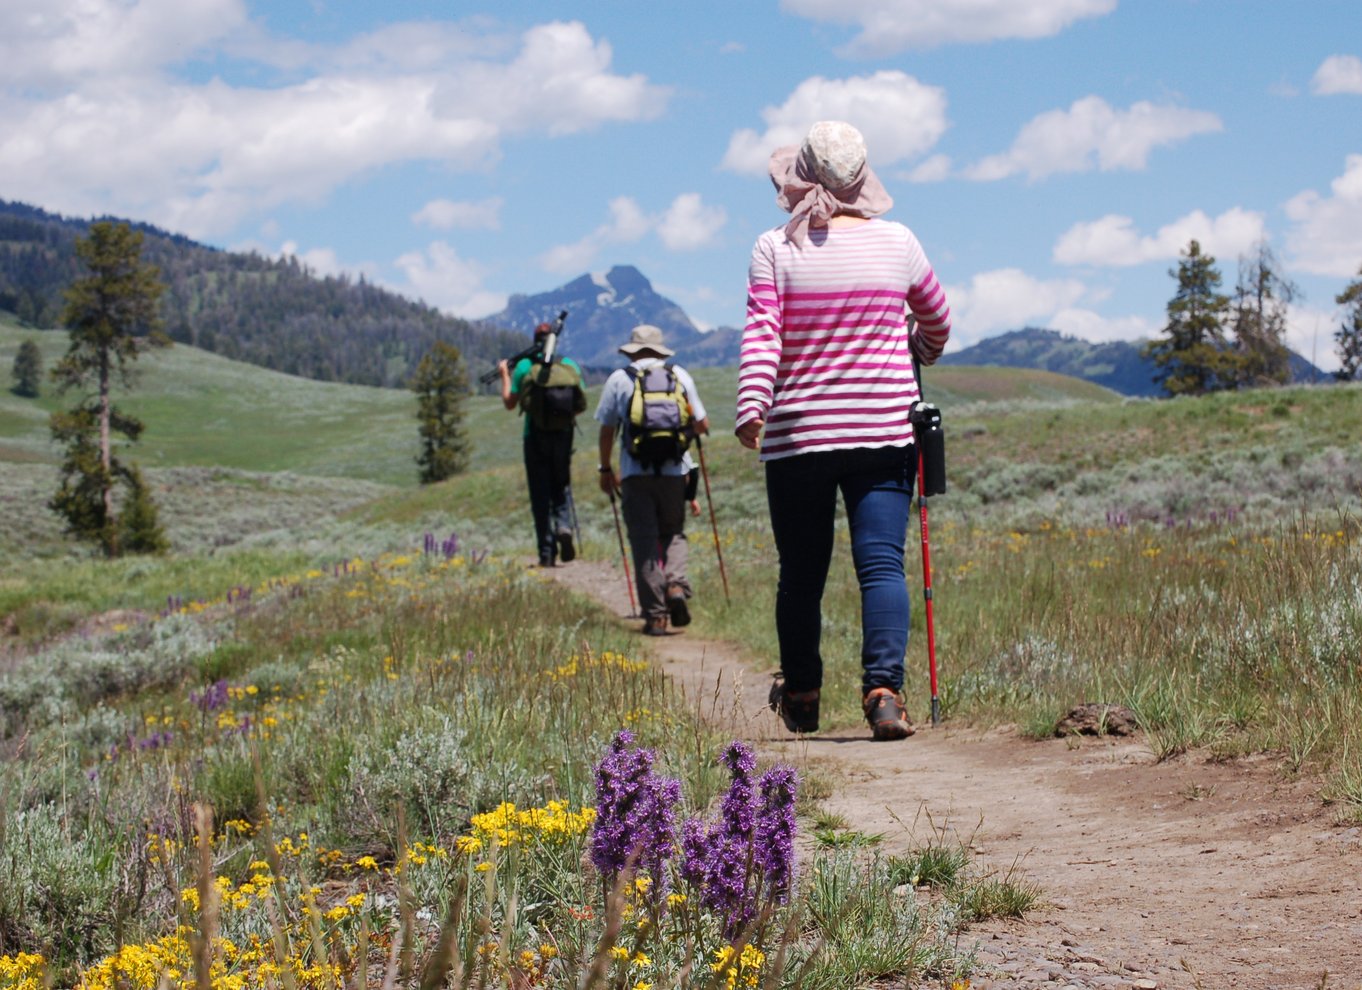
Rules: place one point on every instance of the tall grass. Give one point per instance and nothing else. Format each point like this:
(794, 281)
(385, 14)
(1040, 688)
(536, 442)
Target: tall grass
(387, 768)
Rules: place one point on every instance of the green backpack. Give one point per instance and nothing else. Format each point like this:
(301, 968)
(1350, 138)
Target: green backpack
(552, 395)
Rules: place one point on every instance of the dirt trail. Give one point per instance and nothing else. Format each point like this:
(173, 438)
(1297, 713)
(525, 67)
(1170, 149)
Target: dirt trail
(1187, 873)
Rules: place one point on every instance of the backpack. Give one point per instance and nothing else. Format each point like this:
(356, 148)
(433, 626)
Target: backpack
(660, 424)
(552, 396)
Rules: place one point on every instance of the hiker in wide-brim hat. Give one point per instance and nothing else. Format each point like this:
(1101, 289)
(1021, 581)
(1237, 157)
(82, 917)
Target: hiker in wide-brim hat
(655, 408)
(646, 339)
(825, 386)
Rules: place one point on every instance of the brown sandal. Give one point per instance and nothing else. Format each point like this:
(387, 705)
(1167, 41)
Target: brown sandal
(887, 717)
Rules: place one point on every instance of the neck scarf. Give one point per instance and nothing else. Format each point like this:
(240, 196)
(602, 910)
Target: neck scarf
(813, 204)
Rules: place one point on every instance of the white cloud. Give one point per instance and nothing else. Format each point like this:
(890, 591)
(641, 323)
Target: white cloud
(1113, 241)
(1007, 299)
(933, 169)
(448, 282)
(1092, 134)
(1326, 236)
(447, 214)
(685, 225)
(1091, 326)
(53, 43)
(323, 261)
(123, 136)
(900, 118)
(689, 224)
(1310, 333)
(891, 26)
(1338, 74)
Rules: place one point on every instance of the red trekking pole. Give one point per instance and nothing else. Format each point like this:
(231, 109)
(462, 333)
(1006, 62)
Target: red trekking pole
(931, 480)
(624, 558)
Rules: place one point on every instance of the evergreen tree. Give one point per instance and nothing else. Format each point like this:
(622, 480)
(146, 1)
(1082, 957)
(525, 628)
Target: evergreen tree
(139, 526)
(111, 316)
(28, 370)
(1193, 356)
(1261, 299)
(1348, 337)
(441, 386)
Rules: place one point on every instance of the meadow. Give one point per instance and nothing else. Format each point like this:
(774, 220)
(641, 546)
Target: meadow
(341, 734)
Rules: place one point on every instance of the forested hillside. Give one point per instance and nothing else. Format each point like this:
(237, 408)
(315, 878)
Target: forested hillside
(275, 313)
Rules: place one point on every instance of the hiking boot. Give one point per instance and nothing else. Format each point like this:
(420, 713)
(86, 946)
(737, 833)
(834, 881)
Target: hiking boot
(797, 709)
(566, 549)
(656, 627)
(676, 606)
(887, 717)
(546, 560)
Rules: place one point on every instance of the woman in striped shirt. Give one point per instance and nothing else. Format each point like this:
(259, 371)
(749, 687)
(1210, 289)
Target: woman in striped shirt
(825, 387)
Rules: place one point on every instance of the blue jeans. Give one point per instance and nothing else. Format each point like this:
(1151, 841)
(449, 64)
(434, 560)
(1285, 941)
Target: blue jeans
(877, 487)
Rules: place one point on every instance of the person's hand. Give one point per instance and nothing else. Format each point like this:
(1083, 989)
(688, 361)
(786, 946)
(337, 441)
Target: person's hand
(750, 432)
(695, 506)
(609, 483)
(503, 368)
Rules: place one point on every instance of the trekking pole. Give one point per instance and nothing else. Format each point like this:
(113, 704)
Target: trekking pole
(713, 525)
(624, 558)
(576, 529)
(927, 592)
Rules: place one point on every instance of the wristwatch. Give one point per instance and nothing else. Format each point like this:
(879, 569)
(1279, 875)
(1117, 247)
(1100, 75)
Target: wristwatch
(605, 469)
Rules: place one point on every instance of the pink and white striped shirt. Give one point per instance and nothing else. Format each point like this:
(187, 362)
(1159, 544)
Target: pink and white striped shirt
(825, 350)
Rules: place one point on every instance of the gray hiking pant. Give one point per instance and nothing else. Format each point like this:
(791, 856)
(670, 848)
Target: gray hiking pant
(654, 508)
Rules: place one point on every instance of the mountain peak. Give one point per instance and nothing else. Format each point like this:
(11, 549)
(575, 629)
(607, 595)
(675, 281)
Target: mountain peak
(603, 308)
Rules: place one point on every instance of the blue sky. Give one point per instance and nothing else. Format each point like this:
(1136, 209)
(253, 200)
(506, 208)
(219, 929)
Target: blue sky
(1053, 156)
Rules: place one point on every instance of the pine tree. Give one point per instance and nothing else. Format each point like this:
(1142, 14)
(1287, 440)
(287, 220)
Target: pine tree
(441, 386)
(1348, 337)
(139, 526)
(1261, 299)
(28, 370)
(111, 316)
(1193, 356)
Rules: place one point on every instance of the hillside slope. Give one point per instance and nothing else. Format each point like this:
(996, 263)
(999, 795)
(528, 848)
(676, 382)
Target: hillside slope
(272, 312)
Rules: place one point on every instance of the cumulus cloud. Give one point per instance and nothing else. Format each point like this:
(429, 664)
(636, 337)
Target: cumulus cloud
(900, 117)
(1007, 299)
(687, 224)
(1310, 333)
(1091, 326)
(114, 133)
(891, 26)
(1113, 241)
(1093, 134)
(447, 214)
(448, 282)
(1338, 74)
(47, 44)
(1326, 233)
(933, 169)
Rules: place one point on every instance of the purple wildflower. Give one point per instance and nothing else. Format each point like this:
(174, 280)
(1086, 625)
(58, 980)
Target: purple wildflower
(775, 831)
(635, 815)
(694, 852)
(211, 698)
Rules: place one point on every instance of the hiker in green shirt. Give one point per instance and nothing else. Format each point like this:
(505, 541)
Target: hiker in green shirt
(550, 397)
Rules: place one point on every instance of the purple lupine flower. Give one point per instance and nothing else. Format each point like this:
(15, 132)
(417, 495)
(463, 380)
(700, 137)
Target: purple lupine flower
(694, 853)
(774, 838)
(635, 815)
(619, 781)
(450, 547)
(211, 698)
(429, 546)
(730, 844)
